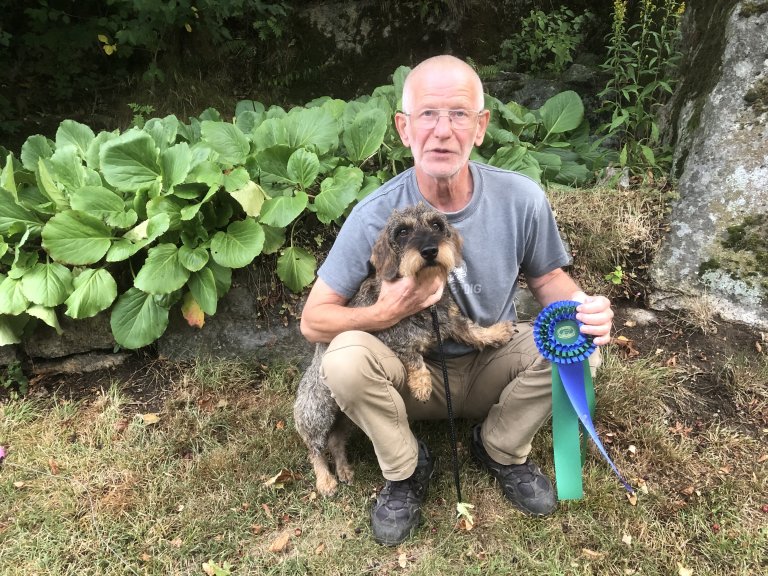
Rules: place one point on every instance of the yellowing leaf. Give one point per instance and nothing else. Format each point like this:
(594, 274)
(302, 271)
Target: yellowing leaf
(465, 519)
(683, 571)
(632, 497)
(592, 554)
(192, 312)
(110, 49)
(103, 39)
(402, 560)
(187, 27)
(320, 549)
(150, 418)
(281, 543)
(627, 539)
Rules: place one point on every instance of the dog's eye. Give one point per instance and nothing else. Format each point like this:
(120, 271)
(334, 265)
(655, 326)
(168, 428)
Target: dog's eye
(437, 226)
(402, 231)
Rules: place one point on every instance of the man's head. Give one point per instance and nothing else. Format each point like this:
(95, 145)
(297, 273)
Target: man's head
(440, 140)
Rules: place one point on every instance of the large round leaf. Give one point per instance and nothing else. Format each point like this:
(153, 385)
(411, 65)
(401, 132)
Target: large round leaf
(47, 284)
(193, 259)
(175, 162)
(239, 245)
(251, 197)
(12, 299)
(283, 210)
(130, 161)
(95, 290)
(303, 167)
(33, 149)
(138, 319)
(337, 193)
(162, 272)
(202, 285)
(71, 133)
(11, 329)
(74, 237)
(296, 267)
(366, 134)
(227, 140)
(313, 127)
(47, 315)
(562, 112)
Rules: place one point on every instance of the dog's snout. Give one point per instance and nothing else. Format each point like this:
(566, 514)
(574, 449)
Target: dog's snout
(429, 252)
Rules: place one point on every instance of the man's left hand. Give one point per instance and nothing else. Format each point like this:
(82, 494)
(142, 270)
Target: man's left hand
(596, 315)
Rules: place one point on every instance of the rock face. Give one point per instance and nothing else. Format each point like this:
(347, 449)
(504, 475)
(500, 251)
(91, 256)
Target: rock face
(716, 250)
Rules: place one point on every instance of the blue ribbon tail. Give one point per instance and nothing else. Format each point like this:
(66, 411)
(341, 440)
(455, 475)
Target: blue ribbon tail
(572, 376)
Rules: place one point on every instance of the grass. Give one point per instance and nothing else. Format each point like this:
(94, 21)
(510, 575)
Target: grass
(89, 487)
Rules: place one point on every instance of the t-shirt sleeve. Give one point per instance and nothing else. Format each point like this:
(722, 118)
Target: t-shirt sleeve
(544, 250)
(346, 265)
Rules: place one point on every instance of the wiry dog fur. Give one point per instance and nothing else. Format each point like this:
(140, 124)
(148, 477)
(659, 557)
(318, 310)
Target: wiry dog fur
(417, 242)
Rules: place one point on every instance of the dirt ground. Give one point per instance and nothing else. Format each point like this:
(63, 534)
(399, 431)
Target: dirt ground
(703, 365)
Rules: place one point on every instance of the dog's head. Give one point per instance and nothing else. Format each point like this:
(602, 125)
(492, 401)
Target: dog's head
(417, 241)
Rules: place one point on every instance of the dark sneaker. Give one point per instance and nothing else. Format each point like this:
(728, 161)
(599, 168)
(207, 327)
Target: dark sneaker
(523, 484)
(397, 511)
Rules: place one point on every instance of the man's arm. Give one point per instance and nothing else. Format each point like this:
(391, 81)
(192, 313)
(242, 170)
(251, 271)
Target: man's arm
(326, 313)
(594, 312)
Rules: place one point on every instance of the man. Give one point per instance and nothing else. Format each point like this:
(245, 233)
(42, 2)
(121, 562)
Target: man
(508, 228)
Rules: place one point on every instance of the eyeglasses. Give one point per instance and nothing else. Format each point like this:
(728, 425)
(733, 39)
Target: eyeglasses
(428, 118)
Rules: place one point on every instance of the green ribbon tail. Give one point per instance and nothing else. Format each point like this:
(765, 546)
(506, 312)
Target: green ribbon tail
(566, 441)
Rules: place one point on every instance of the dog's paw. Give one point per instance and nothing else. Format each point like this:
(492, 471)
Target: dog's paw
(345, 474)
(499, 334)
(420, 384)
(326, 485)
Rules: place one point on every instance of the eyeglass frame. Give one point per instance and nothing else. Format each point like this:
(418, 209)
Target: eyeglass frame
(447, 114)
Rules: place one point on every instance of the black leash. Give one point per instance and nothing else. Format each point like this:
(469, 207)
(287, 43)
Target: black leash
(452, 423)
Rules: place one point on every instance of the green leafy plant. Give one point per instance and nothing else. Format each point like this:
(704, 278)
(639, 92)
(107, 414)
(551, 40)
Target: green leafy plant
(642, 59)
(549, 144)
(13, 380)
(616, 276)
(546, 41)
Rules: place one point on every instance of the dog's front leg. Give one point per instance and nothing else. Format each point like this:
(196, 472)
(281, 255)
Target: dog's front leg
(467, 332)
(419, 378)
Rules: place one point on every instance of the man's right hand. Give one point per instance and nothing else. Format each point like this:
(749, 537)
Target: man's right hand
(404, 297)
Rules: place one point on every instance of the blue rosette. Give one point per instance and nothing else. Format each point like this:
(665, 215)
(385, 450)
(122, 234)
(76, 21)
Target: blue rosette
(558, 337)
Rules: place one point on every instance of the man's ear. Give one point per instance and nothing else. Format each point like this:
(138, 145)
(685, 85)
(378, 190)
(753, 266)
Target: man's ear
(483, 118)
(401, 123)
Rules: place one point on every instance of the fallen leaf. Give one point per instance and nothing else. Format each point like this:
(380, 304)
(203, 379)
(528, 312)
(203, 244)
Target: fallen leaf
(280, 479)
(758, 347)
(402, 560)
(592, 554)
(683, 571)
(150, 418)
(121, 425)
(281, 543)
(632, 449)
(256, 528)
(630, 323)
(320, 549)
(725, 470)
(267, 511)
(627, 345)
(53, 466)
(280, 425)
(208, 569)
(687, 491)
(627, 539)
(18, 484)
(176, 542)
(762, 458)
(297, 532)
(222, 404)
(145, 557)
(466, 521)
(632, 498)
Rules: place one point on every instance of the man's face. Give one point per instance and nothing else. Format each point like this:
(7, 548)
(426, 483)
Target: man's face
(443, 151)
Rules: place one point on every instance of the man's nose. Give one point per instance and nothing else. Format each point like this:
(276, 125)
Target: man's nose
(443, 126)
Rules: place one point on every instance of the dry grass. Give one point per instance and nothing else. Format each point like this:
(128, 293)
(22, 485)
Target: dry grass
(90, 488)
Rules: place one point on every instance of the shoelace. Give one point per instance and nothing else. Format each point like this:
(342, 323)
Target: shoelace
(398, 494)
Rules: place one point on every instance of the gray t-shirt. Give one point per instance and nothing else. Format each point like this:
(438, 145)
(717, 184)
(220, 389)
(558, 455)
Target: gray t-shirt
(507, 227)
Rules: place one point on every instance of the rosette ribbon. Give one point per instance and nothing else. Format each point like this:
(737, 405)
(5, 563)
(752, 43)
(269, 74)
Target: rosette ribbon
(557, 336)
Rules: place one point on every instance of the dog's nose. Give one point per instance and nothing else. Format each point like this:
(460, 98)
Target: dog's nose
(429, 253)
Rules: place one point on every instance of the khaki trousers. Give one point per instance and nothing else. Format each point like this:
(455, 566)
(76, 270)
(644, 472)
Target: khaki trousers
(508, 388)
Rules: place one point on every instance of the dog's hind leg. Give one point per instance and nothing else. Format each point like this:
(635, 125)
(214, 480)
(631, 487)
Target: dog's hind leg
(325, 480)
(419, 378)
(337, 445)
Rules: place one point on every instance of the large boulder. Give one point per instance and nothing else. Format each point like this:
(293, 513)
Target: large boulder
(716, 250)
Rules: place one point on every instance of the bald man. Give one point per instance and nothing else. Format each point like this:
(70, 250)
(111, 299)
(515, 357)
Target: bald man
(508, 229)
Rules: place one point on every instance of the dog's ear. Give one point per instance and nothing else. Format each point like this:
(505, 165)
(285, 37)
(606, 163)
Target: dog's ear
(384, 259)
